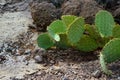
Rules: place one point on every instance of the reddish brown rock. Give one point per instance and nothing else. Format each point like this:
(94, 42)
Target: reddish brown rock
(71, 7)
(84, 8)
(43, 14)
(89, 10)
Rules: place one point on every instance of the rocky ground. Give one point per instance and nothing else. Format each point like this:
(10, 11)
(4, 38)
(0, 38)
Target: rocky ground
(21, 59)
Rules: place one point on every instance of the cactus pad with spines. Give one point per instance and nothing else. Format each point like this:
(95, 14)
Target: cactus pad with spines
(55, 28)
(45, 41)
(76, 30)
(86, 44)
(68, 19)
(105, 23)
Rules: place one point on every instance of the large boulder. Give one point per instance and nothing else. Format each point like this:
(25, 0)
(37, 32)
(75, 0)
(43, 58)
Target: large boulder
(43, 14)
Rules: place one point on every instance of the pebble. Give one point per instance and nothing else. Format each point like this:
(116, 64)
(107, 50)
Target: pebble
(74, 72)
(13, 51)
(96, 74)
(38, 59)
(2, 58)
(28, 51)
(3, 2)
(65, 78)
(118, 78)
(51, 51)
(52, 62)
(45, 64)
(9, 49)
(17, 53)
(41, 73)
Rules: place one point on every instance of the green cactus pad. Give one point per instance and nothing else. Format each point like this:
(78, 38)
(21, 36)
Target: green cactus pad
(44, 41)
(111, 50)
(116, 31)
(109, 54)
(104, 22)
(86, 44)
(93, 33)
(68, 19)
(76, 29)
(55, 28)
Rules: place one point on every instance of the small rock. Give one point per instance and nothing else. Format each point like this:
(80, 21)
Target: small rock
(9, 49)
(74, 72)
(51, 51)
(42, 73)
(118, 78)
(3, 2)
(96, 74)
(45, 64)
(38, 59)
(65, 78)
(52, 62)
(13, 51)
(5, 45)
(28, 51)
(2, 58)
(17, 53)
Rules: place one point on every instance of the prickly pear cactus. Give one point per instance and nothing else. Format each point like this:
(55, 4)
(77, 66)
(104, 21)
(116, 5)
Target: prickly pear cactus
(76, 30)
(110, 53)
(45, 41)
(105, 23)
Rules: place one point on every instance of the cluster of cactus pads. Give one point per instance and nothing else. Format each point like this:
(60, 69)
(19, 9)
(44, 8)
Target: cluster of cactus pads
(71, 31)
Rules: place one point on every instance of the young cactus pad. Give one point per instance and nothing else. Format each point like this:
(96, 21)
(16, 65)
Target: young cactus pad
(55, 28)
(76, 30)
(44, 41)
(105, 23)
(110, 52)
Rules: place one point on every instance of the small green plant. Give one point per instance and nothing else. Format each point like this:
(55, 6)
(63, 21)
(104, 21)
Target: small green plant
(71, 31)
